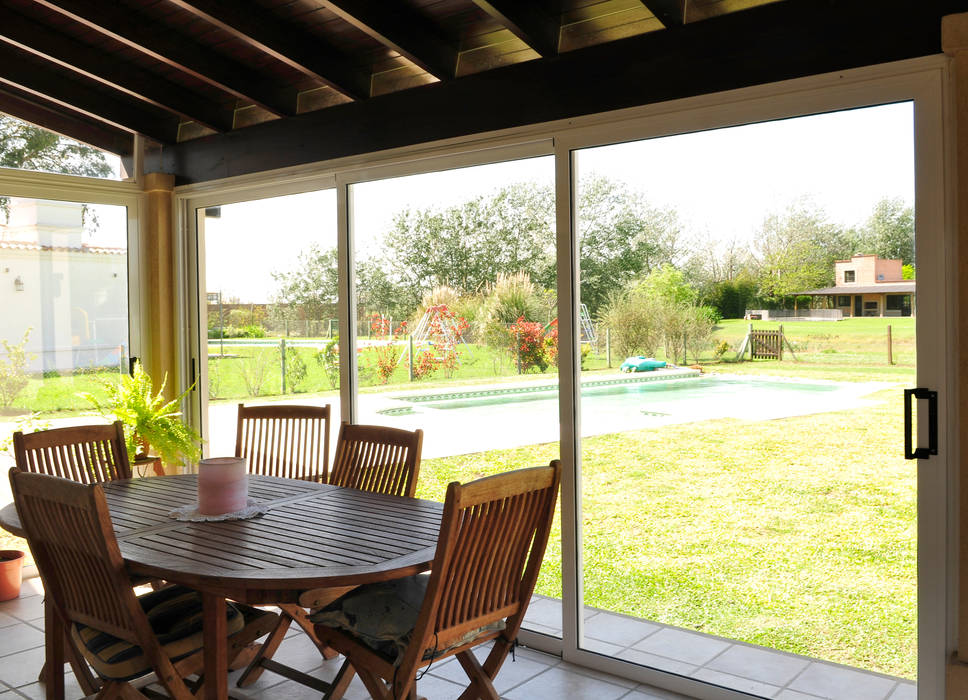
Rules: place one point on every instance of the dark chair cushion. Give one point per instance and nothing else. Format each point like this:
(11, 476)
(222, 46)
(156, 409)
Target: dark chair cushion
(382, 617)
(175, 616)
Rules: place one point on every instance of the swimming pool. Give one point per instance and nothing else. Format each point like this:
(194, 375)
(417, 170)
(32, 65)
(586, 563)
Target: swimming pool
(491, 416)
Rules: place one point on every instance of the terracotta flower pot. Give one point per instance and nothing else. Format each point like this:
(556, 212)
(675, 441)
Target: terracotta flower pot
(11, 567)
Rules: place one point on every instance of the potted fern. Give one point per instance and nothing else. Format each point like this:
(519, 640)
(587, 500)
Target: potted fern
(152, 426)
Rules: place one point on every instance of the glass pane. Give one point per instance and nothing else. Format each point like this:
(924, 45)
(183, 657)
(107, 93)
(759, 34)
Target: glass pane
(270, 274)
(27, 147)
(457, 326)
(733, 507)
(64, 326)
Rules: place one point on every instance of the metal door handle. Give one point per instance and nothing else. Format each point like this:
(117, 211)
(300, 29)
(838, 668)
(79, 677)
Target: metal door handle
(911, 452)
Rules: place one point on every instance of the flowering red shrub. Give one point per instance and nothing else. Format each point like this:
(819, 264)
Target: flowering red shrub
(384, 351)
(536, 348)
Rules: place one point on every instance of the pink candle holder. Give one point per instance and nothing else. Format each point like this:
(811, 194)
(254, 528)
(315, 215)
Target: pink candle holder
(223, 485)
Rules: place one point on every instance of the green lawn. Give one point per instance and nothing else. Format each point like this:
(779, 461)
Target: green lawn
(796, 533)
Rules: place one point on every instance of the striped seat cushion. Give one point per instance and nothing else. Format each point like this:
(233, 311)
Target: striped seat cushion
(382, 616)
(175, 616)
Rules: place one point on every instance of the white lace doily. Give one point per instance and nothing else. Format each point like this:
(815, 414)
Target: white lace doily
(190, 512)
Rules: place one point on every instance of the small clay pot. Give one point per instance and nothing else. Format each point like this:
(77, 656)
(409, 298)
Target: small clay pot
(11, 569)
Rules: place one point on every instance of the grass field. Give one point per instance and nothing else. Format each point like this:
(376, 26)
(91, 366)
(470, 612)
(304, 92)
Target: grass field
(796, 533)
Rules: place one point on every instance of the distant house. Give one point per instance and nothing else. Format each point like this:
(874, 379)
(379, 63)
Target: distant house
(868, 286)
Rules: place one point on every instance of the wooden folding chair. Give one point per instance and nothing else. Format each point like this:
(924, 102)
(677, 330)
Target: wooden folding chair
(88, 454)
(368, 457)
(492, 539)
(377, 458)
(122, 636)
(286, 441)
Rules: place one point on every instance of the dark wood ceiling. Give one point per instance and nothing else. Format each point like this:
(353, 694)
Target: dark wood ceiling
(176, 70)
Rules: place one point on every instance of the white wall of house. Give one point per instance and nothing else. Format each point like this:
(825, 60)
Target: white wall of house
(73, 297)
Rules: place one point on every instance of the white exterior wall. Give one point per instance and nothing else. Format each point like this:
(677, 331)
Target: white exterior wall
(74, 301)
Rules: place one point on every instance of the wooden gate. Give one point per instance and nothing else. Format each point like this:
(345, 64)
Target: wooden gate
(766, 345)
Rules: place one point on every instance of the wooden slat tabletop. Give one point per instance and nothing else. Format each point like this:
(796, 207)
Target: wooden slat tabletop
(314, 535)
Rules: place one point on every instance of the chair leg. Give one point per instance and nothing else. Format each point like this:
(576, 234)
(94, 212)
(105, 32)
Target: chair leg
(268, 649)
(54, 650)
(377, 688)
(481, 684)
(301, 618)
(340, 682)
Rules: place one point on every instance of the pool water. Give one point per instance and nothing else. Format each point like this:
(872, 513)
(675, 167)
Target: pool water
(705, 394)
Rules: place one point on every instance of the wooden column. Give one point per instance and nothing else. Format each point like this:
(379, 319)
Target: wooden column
(954, 40)
(158, 244)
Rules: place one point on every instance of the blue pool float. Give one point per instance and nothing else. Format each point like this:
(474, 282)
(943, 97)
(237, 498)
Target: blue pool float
(641, 364)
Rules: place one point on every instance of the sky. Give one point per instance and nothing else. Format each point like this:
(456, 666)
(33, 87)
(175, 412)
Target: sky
(722, 183)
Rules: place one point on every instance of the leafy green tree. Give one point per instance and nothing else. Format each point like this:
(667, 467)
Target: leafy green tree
(29, 147)
(466, 246)
(620, 238)
(312, 285)
(796, 250)
(889, 232)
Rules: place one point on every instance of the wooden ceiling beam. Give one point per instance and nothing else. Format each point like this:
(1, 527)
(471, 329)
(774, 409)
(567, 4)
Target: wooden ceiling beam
(47, 115)
(62, 49)
(285, 41)
(771, 43)
(163, 44)
(403, 30)
(526, 21)
(29, 73)
(672, 13)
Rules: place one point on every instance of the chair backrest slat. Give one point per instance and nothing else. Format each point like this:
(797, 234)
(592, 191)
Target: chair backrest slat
(492, 539)
(286, 441)
(86, 453)
(69, 531)
(377, 458)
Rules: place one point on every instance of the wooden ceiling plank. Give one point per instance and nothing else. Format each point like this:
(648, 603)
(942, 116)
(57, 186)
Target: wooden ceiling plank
(183, 54)
(68, 52)
(23, 70)
(403, 30)
(535, 28)
(772, 43)
(672, 13)
(39, 112)
(286, 42)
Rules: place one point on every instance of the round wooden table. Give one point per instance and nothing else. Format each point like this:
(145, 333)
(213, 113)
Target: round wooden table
(313, 536)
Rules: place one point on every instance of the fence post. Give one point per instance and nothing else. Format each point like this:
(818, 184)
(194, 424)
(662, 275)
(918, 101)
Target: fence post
(780, 339)
(608, 348)
(890, 349)
(282, 352)
(410, 341)
(286, 327)
(751, 341)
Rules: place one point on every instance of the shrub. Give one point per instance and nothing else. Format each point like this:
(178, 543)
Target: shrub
(13, 370)
(295, 369)
(328, 359)
(509, 298)
(528, 342)
(634, 322)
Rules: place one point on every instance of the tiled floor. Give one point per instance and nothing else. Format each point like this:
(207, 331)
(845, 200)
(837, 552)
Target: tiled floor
(752, 669)
(532, 676)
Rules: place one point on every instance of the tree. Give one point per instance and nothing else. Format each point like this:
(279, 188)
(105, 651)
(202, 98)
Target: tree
(796, 250)
(620, 238)
(889, 232)
(313, 286)
(27, 147)
(467, 245)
